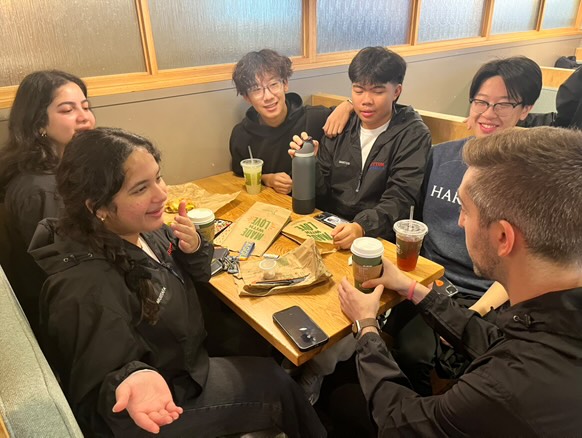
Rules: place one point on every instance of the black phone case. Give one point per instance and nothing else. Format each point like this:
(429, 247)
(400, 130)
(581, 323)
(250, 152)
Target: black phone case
(331, 220)
(296, 324)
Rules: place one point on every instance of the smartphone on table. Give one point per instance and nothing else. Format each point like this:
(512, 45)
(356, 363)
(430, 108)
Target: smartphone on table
(298, 326)
(331, 220)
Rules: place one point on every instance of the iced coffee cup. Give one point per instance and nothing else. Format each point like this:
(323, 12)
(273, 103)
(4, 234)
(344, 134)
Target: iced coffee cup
(409, 237)
(366, 261)
(203, 219)
(253, 169)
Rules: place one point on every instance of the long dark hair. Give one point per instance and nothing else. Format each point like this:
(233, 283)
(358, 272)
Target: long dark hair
(26, 149)
(91, 173)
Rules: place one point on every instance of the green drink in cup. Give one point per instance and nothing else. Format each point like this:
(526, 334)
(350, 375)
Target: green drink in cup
(252, 168)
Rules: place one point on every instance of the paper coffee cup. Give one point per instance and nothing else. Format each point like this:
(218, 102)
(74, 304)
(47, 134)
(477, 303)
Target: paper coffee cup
(252, 168)
(409, 237)
(366, 261)
(203, 218)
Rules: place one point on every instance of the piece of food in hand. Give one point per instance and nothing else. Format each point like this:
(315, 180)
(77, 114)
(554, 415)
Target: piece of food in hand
(174, 205)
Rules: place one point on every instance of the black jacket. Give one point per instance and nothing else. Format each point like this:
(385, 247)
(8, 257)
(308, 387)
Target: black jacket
(272, 144)
(29, 199)
(525, 379)
(91, 319)
(390, 181)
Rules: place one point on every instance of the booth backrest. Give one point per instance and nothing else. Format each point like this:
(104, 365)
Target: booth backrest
(32, 403)
(553, 77)
(443, 127)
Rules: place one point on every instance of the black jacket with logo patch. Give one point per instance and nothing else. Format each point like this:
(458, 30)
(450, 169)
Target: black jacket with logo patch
(525, 379)
(92, 321)
(390, 181)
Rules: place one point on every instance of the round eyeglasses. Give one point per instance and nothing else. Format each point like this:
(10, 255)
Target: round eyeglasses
(258, 91)
(500, 108)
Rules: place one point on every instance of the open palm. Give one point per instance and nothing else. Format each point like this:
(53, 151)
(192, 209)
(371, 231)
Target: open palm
(148, 401)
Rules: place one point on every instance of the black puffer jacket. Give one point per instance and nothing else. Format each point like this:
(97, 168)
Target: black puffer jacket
(525, 379)
(91, 319)
(390, 181)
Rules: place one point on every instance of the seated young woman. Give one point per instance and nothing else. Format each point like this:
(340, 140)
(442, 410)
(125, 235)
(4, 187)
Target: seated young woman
(121, 312)
(49, 108)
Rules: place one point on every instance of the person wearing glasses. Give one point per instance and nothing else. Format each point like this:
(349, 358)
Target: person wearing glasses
(502, 93)
(262, 79)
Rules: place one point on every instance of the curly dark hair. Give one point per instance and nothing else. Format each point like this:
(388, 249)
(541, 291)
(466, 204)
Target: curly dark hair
(259, 64)
(91, 173)
(26, 149)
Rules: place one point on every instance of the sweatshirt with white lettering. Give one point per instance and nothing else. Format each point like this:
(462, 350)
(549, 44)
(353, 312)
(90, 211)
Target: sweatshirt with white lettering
(445, 242)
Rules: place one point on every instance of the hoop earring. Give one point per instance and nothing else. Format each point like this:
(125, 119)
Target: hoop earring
(43, 134)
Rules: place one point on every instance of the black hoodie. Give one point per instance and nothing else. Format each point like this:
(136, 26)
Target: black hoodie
(272, 144)
(91, 319)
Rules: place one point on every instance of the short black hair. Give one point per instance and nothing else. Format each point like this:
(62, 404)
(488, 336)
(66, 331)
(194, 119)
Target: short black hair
(377, 65)
(521, 75)
(258, 64)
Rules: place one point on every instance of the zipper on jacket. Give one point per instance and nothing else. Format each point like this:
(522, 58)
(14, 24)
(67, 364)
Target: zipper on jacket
(359, 181)
(168, 266)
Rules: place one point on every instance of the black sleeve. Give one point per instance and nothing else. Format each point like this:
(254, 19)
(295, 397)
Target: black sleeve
(464, 329)
(33, 206)
(569, 101)
(80, 329)
(475, 406)
(196, 264)
(538, 119)
(237, 149)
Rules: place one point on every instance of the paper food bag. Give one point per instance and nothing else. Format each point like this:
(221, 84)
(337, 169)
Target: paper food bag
(261, 224)
(307, 227)
(302, 267)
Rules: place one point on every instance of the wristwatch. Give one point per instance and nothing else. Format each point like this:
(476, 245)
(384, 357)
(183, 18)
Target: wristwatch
(361, 324)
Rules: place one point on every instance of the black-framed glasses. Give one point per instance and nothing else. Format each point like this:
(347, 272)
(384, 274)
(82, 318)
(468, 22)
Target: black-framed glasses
(257, 92)
(500, 108)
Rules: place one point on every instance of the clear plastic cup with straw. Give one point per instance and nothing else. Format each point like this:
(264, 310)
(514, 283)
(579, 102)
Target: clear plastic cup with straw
(253, 169)
(409, 237)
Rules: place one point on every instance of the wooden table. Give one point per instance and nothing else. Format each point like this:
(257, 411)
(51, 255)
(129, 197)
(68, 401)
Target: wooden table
(321, 302)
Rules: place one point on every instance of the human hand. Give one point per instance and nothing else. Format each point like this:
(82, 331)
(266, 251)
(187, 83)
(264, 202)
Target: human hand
(356, 304)
(185, 231)
(148, 401)
(338, 119)
(297, 142)
(392, 278)
(345, 233)
(280, 182)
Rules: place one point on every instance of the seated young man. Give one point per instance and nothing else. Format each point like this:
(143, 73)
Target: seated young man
(502, 93)
(372, 172)
(523, 228)
(262, 78)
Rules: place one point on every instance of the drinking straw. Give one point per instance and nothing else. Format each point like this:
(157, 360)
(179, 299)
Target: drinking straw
(250, 152)
(411, 216)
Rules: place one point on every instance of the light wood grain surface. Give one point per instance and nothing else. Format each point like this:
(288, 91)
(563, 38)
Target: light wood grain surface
(321, 303)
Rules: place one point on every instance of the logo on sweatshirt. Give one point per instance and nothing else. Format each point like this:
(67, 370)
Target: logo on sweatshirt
(343, 163)
(377, 165)
(170, 249)
(445, 194)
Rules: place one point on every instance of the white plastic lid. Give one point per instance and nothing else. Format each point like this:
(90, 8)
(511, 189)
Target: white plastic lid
(367, 247)
(410, 228)
(201, 216)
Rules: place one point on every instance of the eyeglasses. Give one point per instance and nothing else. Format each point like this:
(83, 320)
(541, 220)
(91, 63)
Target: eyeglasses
(502, 109)
(258, 91)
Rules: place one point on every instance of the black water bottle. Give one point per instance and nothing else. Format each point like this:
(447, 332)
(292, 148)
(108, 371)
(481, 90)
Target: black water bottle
(303, 175)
